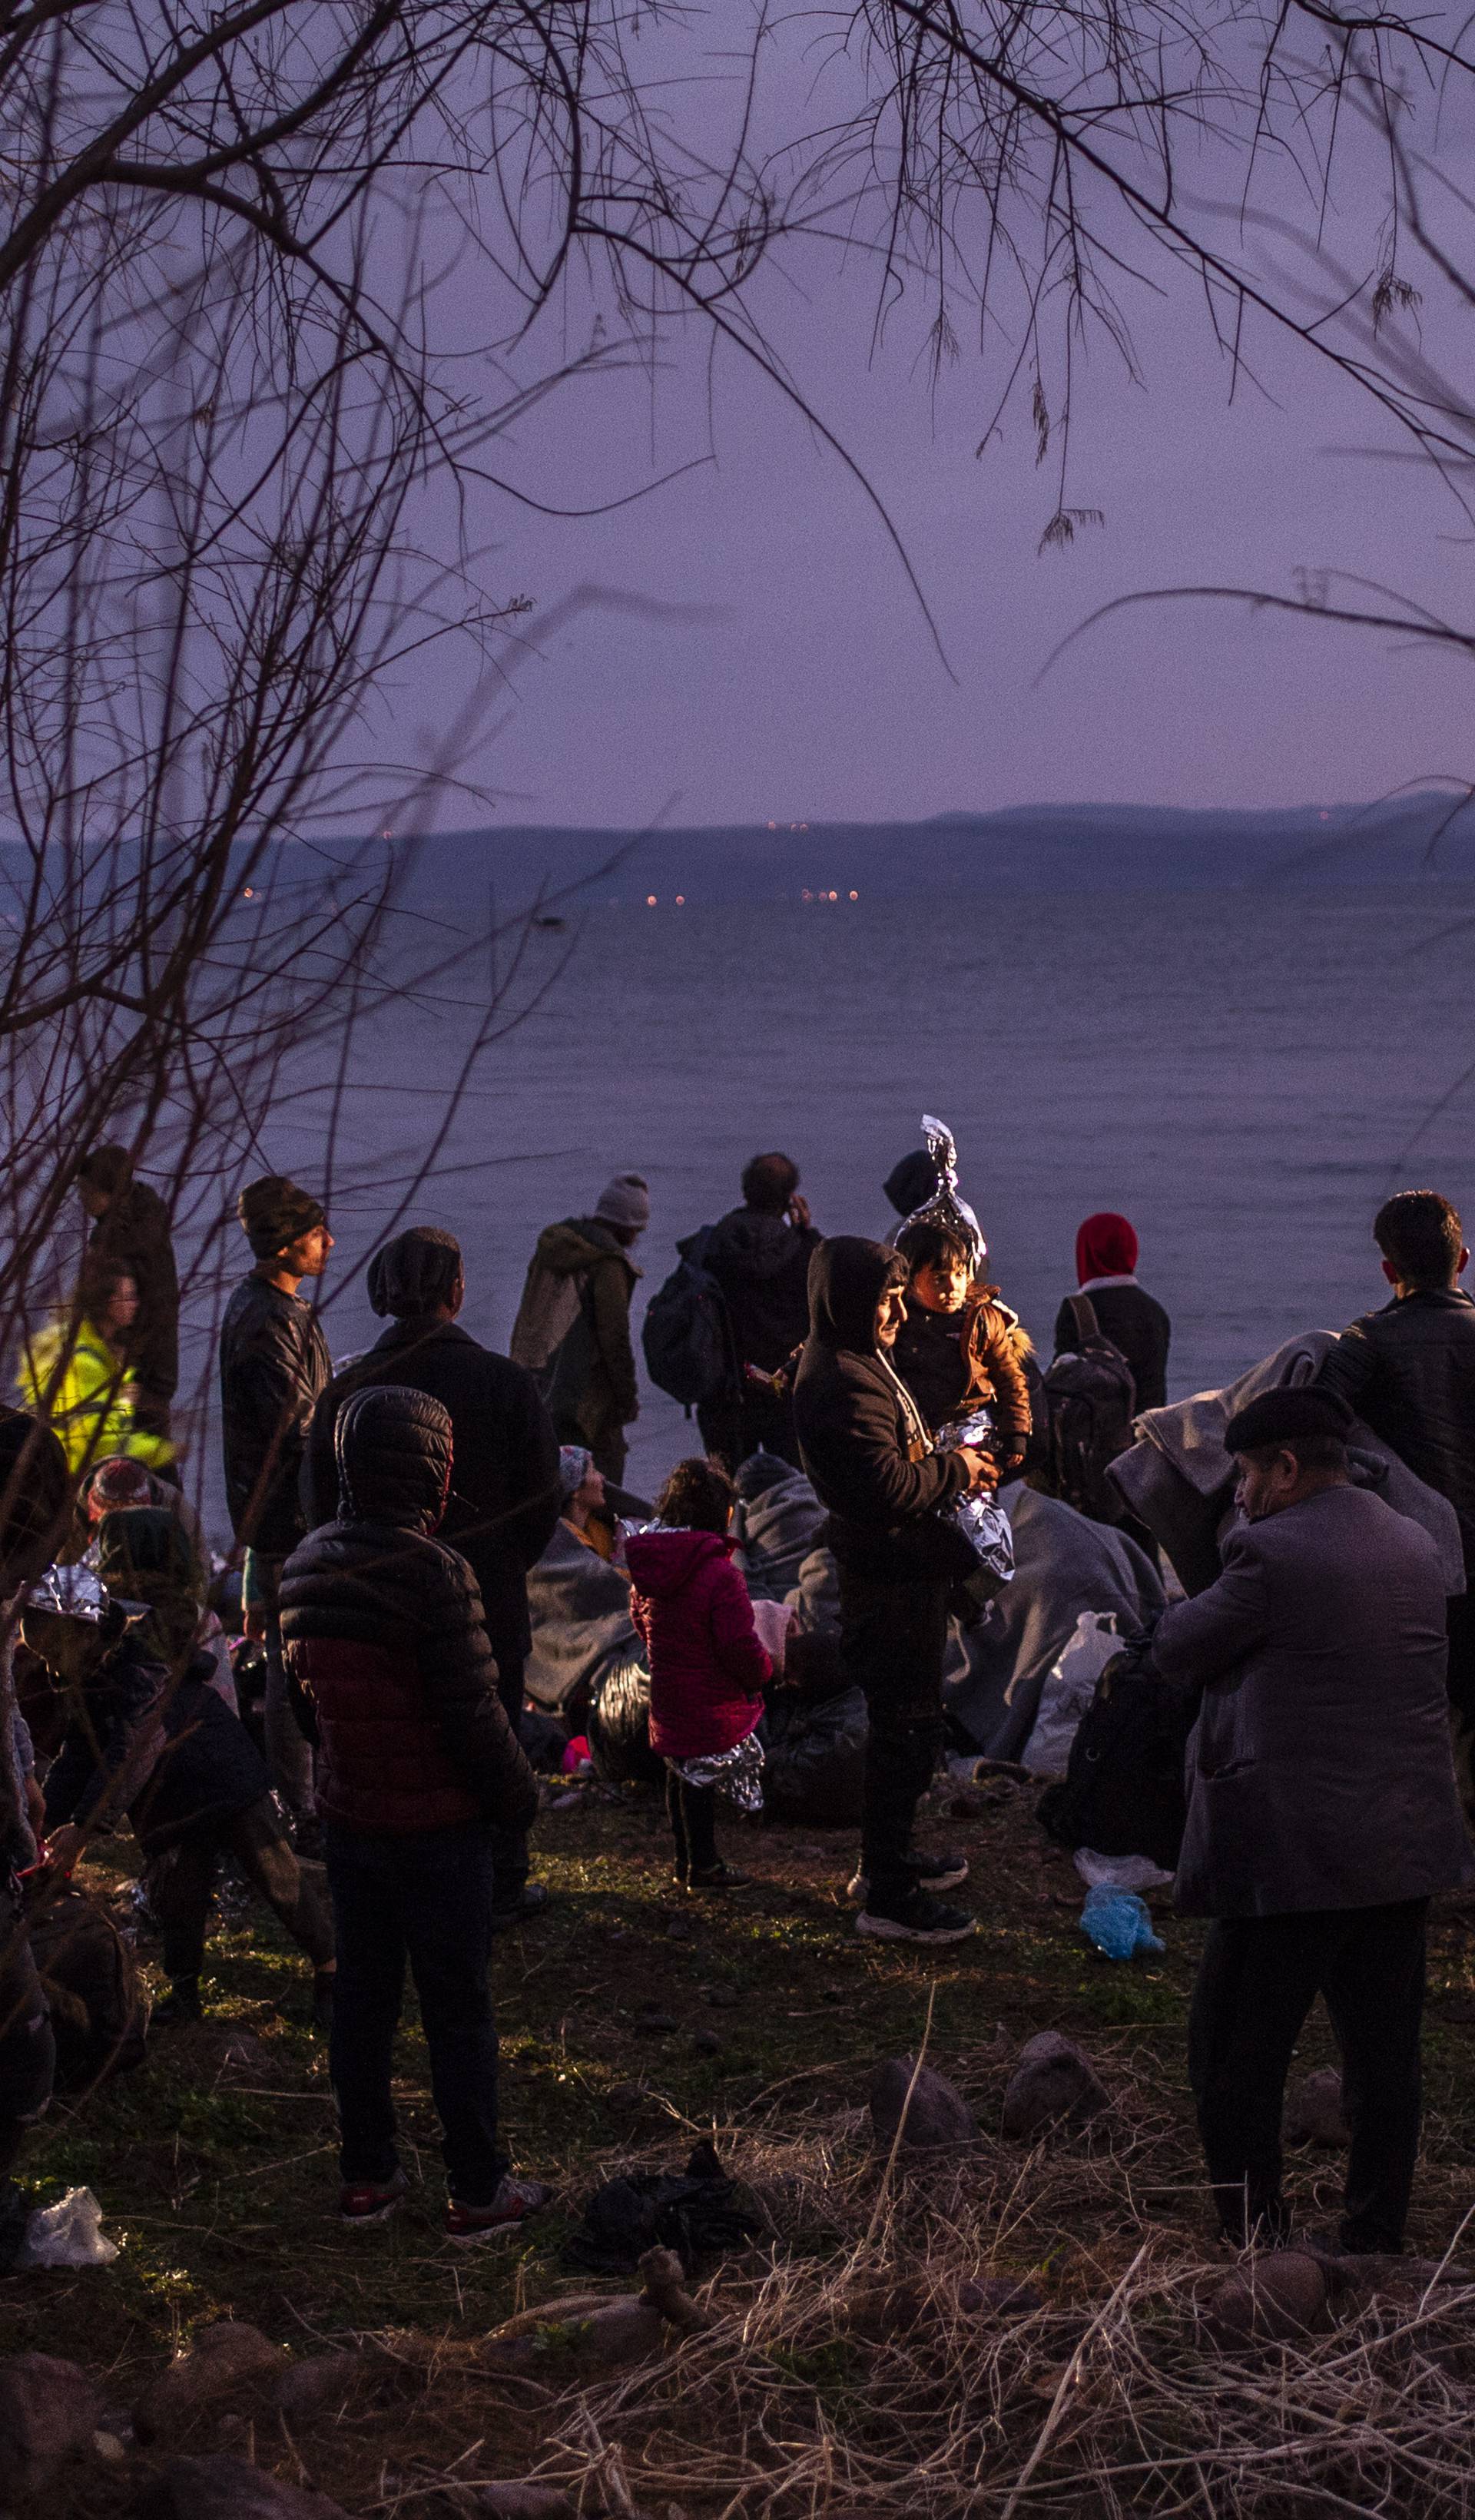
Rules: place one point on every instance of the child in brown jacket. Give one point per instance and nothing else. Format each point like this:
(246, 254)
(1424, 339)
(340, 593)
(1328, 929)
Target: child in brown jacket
(959, 1348)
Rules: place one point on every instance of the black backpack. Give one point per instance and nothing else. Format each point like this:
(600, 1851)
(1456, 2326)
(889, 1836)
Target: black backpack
(687, 1337)
(1123, 1790)
(1089, 1398)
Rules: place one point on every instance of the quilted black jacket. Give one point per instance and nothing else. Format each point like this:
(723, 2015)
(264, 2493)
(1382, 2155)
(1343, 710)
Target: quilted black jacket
(381, 1624)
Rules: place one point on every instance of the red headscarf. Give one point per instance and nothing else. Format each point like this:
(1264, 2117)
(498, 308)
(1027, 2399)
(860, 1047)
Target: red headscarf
(1105, 1247)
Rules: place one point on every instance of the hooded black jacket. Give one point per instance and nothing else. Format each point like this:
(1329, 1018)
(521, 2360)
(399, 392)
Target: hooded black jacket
(274, 1362)
(1408, 1372)
(382, 1627)
(761, 1263)
(505, 1496)
(858, 1436)
(204, 1765)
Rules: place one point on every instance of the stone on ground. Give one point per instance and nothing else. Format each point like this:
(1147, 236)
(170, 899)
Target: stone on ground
(320, 2384)
(223, 2360)
(49, 2411)
(937, 2115)
(1267, 2301)
(1053, 2083)
(218, 2486)
(1313, 2111)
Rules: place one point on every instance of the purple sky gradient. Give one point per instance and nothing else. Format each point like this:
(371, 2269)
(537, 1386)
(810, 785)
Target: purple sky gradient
(819, 692)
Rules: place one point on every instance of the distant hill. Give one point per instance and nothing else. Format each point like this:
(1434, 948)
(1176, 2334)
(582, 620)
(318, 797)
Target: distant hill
(1039, 848)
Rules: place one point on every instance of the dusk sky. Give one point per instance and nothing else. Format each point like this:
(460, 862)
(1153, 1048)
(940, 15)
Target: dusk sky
(819, 691)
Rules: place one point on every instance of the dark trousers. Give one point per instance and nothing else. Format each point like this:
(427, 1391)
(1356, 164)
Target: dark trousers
(509, 1845)
(692, 1811)
(182, 1878)
(427, 1899)
(893, 1640)
(27, 2048)
(1459, 1621)
(750, 1420)
(1256, 1982)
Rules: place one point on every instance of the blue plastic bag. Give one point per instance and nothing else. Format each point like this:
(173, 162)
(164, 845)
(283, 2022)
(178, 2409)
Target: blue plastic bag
(1118, 1924)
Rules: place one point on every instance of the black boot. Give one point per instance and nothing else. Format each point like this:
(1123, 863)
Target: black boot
(181, 2004)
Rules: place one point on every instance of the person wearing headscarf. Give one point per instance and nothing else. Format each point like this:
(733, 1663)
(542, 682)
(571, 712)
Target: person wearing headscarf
(274, 1363)
(572, 1329)
(869, 1454)
(506, 1492)
(1106, 1255)
(583, 1506)
(131, 1230)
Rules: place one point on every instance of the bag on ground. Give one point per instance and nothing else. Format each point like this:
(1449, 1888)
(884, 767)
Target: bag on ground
(1124, 1789)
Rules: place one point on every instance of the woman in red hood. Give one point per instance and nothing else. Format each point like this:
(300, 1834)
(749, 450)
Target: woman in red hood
(708, 1666)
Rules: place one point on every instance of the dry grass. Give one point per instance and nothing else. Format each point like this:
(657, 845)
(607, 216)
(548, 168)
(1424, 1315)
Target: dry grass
(845, 2373)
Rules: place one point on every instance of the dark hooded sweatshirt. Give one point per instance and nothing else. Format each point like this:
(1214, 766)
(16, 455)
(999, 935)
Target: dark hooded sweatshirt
(384, 1636)
(761, 1263)
(860, 1436)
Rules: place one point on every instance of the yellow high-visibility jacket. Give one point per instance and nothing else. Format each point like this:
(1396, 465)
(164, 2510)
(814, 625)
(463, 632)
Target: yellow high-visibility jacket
(80, 1395)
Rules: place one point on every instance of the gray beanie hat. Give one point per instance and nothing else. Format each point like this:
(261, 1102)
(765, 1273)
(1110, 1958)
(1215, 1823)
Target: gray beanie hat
(625, 1201)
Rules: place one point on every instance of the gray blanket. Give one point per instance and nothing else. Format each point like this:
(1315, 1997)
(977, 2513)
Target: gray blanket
(775, 1532)
(580, 1610)
(1179, 1479)
(1063, 1564)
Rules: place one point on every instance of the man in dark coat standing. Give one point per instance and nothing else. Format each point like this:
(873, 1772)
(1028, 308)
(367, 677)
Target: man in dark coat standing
(868, 1451)
(1408, 1371)
(1323, 1812)
(274, 1363)
(759, 1254)
(130, 1229)
(504, 1504)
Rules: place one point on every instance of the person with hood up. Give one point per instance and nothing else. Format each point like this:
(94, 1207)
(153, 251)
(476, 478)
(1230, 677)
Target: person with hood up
(759, 1254)
(131, 1230)
(708, 1669)
(417, 1766)
(148, 1732)
(572, 1329)
(868, 1454)
(274, 1363)
(505, 1502)
(1106, 1256)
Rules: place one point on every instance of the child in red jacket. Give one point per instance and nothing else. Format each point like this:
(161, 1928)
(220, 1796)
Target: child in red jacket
(707, 1665)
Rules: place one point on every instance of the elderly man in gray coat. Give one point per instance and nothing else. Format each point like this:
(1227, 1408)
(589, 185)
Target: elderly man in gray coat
(1323, 1812)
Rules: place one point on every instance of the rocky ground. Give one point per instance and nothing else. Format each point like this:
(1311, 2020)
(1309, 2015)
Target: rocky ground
(1006, 2320)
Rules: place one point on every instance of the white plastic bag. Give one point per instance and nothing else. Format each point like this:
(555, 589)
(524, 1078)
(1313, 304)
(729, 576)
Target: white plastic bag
(1069, 1688)
(68, 2233)
(1118, 1871)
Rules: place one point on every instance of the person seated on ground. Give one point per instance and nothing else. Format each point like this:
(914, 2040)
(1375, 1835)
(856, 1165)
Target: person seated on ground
(119, 1483)
(959, 1348)
(870, 1457)
(74, 1374)
(418, 1769)
(584, 1509)
(778, 1519)
(1323, 1812)
(1408, 1371)
(147, 1734)
(759, 1255)
(1107, 1257)
(131, 1228)
(708, 1669)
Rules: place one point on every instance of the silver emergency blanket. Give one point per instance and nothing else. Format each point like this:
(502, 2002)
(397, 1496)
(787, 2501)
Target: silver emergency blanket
(947, 1206)
(981, 1519)
(737, 1773)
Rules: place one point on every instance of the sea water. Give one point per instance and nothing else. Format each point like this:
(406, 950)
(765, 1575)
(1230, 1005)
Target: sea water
(1245, 1074)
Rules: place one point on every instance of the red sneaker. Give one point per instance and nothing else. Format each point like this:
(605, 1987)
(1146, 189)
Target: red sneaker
(371, 2200)
(515, 2199)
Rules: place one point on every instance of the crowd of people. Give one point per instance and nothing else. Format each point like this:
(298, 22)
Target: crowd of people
(386, 1516)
